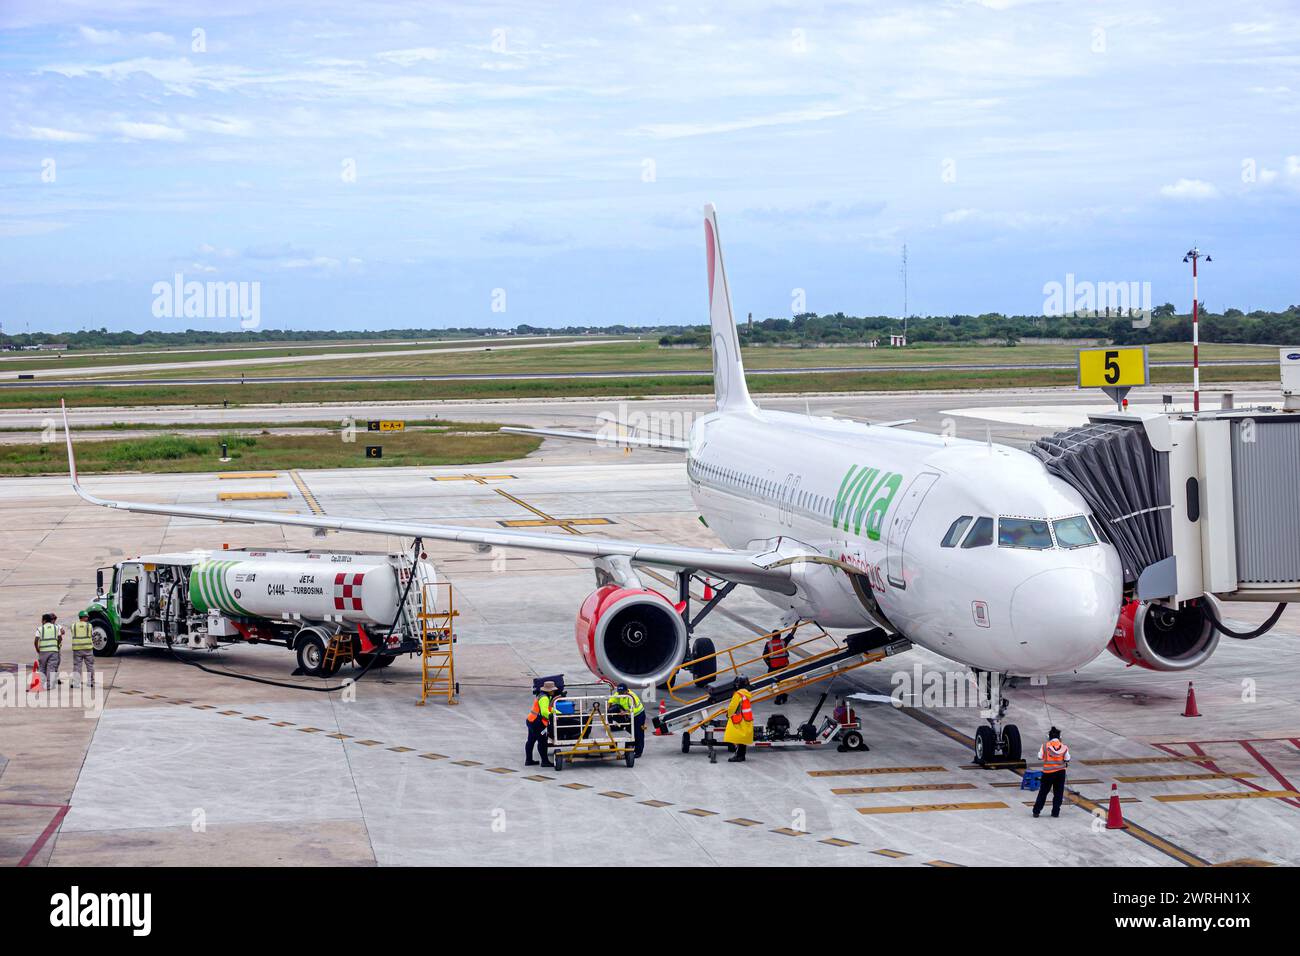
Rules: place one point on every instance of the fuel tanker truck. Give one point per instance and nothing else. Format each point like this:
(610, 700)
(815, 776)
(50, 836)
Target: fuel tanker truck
(302, 600)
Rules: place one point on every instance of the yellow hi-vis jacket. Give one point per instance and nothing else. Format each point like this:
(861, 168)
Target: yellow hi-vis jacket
(81, 636)
(47, 636)
(740, 719)
(629, 701)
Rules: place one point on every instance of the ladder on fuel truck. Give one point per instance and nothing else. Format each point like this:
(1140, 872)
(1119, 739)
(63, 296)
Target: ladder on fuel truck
(808, 666)
(430, 611)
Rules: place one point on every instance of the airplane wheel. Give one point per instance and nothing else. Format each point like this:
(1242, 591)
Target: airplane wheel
(1011, 742)
(985, 745)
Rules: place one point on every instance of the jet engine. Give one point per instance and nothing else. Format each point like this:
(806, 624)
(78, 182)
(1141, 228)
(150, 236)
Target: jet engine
(1162, 638)
(633, 635)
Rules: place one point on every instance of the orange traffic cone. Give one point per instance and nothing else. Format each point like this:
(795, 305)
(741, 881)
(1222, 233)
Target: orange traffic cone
(1114, 815)
(663, 709)
(1190, 710)
(35, 685)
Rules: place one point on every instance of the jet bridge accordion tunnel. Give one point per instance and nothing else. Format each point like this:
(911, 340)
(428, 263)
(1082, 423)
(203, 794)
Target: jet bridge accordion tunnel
(1198, 507)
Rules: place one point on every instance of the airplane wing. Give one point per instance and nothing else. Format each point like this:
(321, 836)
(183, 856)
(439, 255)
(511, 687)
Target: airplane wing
(766, 570)
(614, 441)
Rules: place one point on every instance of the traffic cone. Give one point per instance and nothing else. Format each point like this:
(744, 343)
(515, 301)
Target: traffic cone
(663, 709)
(35, 685)
(1114, 815)
(708, 591)
(1190, 710)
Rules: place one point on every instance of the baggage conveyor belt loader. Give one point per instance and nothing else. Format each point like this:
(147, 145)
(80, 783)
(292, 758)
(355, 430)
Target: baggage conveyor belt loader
(708, 710)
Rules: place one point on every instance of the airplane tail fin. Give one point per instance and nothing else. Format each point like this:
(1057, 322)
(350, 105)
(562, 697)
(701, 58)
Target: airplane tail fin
(728, 370)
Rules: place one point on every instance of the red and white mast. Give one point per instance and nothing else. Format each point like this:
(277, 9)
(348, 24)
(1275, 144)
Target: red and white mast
(1193, 256)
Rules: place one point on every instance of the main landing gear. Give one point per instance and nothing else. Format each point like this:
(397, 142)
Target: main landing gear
(996, 742)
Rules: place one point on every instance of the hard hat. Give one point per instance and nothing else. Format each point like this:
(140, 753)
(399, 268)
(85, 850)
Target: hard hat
(82, 614)
(1053, 734)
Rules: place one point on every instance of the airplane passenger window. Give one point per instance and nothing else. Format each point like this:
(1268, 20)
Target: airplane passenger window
(980, 534)
(1074, 532)
(1030, 533)
(954, 531)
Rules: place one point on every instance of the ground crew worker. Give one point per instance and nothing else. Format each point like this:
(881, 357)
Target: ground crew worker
(539, 719)
(740, 721)
(83, 650)
(49, 641)
(1055, 757)
(631, 703)
(778, 656)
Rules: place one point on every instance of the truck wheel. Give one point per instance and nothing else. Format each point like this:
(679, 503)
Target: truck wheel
(102, 641)
(311, 652)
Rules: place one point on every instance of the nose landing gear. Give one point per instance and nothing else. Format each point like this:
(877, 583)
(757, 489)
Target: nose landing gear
(997, 742)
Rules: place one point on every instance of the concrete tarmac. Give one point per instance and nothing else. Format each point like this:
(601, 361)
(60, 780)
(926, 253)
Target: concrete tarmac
(172, 765)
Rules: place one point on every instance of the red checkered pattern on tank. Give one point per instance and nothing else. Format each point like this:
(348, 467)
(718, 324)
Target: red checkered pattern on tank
(347, 591)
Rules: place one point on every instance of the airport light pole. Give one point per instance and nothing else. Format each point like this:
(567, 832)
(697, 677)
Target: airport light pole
(1194, 256)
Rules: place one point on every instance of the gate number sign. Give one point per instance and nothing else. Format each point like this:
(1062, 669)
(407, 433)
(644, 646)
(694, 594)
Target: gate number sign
(1116, 367)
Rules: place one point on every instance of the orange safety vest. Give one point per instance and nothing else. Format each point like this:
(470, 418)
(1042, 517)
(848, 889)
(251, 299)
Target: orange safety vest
(1054, 756)
(540, 710)
(744, 711)
(778, 656)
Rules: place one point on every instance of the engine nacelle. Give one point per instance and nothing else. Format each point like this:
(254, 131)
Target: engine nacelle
(1160, 638)
(633, 635)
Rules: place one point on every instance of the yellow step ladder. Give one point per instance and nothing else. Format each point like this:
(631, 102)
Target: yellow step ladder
(437, 643)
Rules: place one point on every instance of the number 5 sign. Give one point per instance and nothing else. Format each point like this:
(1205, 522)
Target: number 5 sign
(1114, 370)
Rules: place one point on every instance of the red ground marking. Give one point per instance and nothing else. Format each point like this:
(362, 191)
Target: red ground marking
(49, 831)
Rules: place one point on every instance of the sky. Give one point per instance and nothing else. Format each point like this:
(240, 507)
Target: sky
(396, 165)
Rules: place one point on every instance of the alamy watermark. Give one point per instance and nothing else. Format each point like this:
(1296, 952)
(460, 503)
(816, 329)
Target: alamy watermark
(1083, 298)
(179, 299)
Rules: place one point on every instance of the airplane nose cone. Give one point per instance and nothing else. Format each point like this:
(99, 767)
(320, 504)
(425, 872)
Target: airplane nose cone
(1063, 618)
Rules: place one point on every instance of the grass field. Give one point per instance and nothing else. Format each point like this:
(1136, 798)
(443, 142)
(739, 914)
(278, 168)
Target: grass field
(180, 453)
(646, 356)
(343, 392)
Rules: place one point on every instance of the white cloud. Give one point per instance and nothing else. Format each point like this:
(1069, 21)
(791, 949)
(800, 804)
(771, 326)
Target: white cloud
(412, 56)
(100, 37)
(1190, 189)
(149, 131)
(50, 134)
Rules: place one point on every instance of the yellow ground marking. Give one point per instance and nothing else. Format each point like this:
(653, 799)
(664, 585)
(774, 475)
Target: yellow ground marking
(400, 750)
(1163, 778)
(499, 770)
(155, 696)
(906, 788)
(540, 778)
(1244, 795)
(339, 736)
(935, 807)
(310, 730)
(836, 841)
(892, 854)
(787, 831)
(1105, 799)
(480, 479)
(229, 713)
(550, 522)
(283, 723)
(255, 717)
(250, 495)
(1114, 761)
(434, 756)
(568, 524)
(369, 743)
(744, 822)
(945, 863)
(655, 803)
(307, 496)
(467, 763)
(697, 812)
(1246, 861)
(615, 794)
(996, 765)
(205, 707)
(248, 474)
(869, 771)
(575, 786)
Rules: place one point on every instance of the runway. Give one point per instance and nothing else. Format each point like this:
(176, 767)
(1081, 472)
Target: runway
(180, 766)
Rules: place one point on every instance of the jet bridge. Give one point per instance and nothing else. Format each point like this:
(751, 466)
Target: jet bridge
(1201, 508)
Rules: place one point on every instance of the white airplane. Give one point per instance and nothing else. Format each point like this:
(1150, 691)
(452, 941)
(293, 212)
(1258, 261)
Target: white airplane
(969, 549)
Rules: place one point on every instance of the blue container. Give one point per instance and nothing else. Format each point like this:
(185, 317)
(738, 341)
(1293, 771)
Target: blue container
(1032, 780)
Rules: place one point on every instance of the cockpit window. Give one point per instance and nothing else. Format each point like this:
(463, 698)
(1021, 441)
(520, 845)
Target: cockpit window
(954, 531)
(1024, 533)
(1074, 532)
(980, 534)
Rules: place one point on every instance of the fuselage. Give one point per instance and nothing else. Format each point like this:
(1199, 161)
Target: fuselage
(970, 549)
